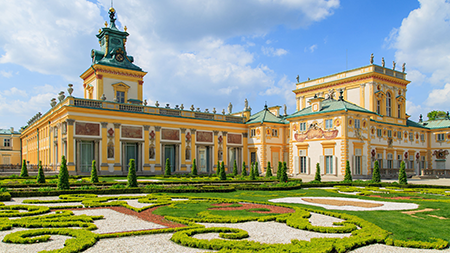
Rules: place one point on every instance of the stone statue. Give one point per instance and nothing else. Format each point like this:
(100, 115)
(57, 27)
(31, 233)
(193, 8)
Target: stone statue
(393, 65)
(403, 67)
(382, 62)
(298, 78)
(230, 108)
(331, 93)
(285, 109)
(371, 59)
(246, 104)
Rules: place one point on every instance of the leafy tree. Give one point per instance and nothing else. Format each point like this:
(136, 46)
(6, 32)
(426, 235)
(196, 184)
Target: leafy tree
(167, 171)
(279, 170)
(433, 114)
(235, 172)
(244, 170)
(269, 170)
(348, 172)
(94, 177)
(132, 179)
(252, 172)
(317, 177)
(284, 176)
(223, 174)
(402, 174)
(24, 171)
(376, 177)
(63, 177)
(194, 167)
(40, 177)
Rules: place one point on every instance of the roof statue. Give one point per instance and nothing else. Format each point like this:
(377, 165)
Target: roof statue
(230, 108)
(371, 59)
(393, 65)
(298, 78)
(403, 67)
(331, 93)
(285, 109)
(246, 105)
(382, 62)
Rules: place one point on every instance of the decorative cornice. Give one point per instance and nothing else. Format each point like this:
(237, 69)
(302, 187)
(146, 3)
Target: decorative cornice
(119, 73)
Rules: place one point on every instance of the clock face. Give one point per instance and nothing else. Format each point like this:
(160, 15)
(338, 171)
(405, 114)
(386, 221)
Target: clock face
(119, 57)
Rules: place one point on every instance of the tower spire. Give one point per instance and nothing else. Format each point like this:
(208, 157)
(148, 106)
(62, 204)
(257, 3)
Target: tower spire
(112, 19)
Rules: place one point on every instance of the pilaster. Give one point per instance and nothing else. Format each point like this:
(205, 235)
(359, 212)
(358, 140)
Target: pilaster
(69, 146)
(117, 147)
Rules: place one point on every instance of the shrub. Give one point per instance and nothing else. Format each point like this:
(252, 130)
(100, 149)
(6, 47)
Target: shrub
(63, 177)
(167, 171)
(376, 178)
(252, 172)
(40, 177)
(256, 169)
(132, 180)
(223, 175)
(218, 169)
(244, 170)
(317, 177)
(194, 168)
(24, 171)
(284, 176)
(402, 174)
(269, 170)
(235, 172)
(279, 170)
(94, 177)
(348, 173)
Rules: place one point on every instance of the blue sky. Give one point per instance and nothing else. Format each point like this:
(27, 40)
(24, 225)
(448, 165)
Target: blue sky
(210, 53)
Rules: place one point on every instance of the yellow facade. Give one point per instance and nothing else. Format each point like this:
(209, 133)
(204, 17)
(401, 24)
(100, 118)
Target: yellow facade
(10, 149)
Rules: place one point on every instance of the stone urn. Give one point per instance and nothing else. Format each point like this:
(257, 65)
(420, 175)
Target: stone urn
(53, 102)
(70, 89)
(61, 96)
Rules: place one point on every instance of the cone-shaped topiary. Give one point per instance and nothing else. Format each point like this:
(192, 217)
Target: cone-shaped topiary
(284, 176)
(40, 177)
(317, 178)
(235, 172)
(348, 172)
(252, 172)
(402, 174)
(94, 177)
(24, 171)
(167, 171)
(256, 168)
(223, 174)
(218, 169)
(244, 170)
(132, 179)
(279, 170)
(63, 177)
(194, 168)
(376, 178)
(269, 170)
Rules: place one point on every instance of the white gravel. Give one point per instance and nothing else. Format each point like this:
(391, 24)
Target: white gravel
(387, 206)
(157, 243)
(268, 232)
(117, 222)
(56, 242)
(323, 220)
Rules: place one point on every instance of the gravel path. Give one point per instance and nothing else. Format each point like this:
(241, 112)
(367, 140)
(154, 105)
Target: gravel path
(323, 220)
(117, 222)
(268, 232)
(56, 242)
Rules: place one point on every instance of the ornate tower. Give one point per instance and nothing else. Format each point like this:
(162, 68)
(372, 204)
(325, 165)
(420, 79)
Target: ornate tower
(112, 72)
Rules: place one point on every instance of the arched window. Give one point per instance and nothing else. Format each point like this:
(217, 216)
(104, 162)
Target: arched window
(388, 104)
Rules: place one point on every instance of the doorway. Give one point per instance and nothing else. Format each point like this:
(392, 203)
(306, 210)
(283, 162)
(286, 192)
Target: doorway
(234, 155)
(87, 155)
(169, 153)
(204, 160)
(131, 152)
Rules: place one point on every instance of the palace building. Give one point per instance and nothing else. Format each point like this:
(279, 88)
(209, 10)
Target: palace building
(357, 115)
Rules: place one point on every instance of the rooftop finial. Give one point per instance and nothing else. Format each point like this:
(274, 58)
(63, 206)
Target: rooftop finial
(265, 106)
(341, 96)
(112, 19)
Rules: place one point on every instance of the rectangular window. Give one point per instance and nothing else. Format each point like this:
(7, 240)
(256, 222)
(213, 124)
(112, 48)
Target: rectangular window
(411, 163)
(422, 137)
(252, 132)
(274, 132)
(303, 126)
(120, 95)
(328, 123)
(422, 162)
(379, 107)
(399, 111)
(357, 123)
(390, 133)
(7, 142)
(379, 132)
(440, 137)
(411, 137)
(389, 161)
(329, 164)
(357, 165)
(399, 161)
(303, 164)
(380, 160)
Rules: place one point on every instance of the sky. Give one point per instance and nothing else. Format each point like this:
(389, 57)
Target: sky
(213, 52)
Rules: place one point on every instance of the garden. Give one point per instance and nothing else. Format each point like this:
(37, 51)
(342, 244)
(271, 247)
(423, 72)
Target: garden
(219, 213)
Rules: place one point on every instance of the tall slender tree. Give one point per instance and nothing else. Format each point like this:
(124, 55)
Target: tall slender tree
(132, 179)
(269, 170)
(376, 177)
(235, 170)
(194, 167)
(402, 174)
(24, 170)
(317, 177)
(348, 173)
(40, 177)
(63, 177)
(94, 176)
(279, 169)
(167, 171)
(244, 170)
(252, 172)
(256, 168)
(218, 169)
(284, 176)
(223, 174)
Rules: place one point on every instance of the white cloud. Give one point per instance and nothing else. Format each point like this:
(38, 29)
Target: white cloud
(439, 97)
(13, 91)
(413, 109)
(6, 74)
(283, 88)
(313, 48)
(270, 51)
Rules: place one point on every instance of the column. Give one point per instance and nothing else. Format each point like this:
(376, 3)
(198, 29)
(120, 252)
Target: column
(193, 149)
(69, 146)
(183, 149)
(117, 146)
(216, 150)
(245, 149)
(146, 165)
(225, 149)
(103, 163)
(158, 150)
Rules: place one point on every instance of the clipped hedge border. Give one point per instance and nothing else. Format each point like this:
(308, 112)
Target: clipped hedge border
(437, 244)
